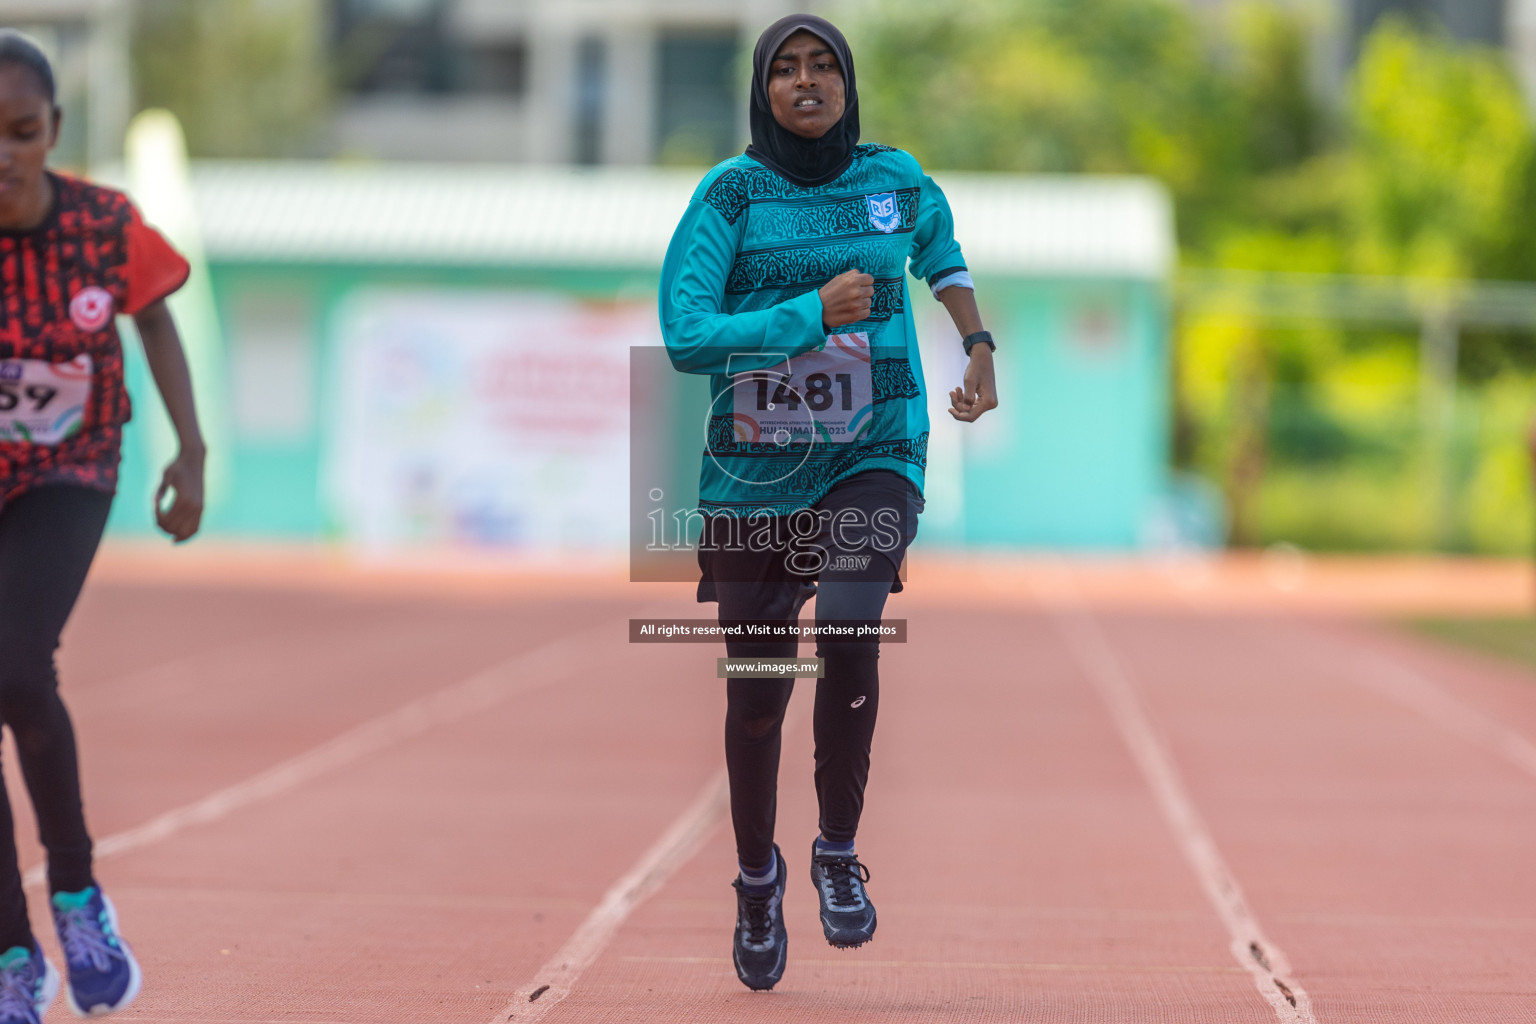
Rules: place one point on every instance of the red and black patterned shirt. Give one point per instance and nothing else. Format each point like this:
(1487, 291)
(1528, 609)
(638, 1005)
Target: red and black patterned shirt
(61, 285)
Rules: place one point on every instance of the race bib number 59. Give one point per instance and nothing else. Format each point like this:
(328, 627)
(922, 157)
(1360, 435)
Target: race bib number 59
(43, 402)
(826, 397)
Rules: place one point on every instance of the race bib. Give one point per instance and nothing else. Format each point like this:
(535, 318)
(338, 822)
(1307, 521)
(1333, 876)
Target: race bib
(43, 402)
(827, 396)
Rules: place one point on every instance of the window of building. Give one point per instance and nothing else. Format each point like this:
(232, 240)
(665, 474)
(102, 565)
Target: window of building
(493, 69)
(1479, 21)
(591, 81)
(272, 367)
(403, 46)
(698, 99)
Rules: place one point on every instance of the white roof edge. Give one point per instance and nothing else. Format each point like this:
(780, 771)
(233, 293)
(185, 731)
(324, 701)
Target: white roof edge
(494, 215)
(1063, 224)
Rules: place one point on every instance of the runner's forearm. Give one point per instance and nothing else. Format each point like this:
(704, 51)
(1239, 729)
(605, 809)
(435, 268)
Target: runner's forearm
(961, 304)
(168, 364)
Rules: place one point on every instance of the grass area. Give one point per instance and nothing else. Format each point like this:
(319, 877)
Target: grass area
(1511, 639)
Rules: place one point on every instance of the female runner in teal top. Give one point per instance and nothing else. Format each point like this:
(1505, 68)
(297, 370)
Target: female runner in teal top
(786, 283)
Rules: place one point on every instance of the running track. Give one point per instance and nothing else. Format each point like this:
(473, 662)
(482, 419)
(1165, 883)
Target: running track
(1099, 794)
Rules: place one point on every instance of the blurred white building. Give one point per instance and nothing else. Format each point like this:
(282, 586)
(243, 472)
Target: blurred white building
(1481, 21)
(621, 82)
(545, 81)
(646, 81)
(1344, 24)
(524, 81)
(1521, 29)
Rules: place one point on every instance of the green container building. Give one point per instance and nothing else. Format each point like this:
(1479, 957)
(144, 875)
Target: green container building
(425, 355)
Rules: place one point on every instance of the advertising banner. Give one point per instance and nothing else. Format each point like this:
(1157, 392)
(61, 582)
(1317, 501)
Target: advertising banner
(482, 418)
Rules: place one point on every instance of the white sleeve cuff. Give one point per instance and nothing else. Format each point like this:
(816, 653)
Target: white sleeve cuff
(960, 278)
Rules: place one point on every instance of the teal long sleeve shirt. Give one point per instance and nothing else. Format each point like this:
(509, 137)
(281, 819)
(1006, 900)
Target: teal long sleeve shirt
(795, 406)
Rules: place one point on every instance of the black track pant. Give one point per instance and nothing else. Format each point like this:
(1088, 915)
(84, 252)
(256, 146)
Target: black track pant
(754, 587)
(48, 538)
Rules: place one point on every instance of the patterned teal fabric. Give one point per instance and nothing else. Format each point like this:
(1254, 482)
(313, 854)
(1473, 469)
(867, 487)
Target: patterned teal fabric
(739, 293)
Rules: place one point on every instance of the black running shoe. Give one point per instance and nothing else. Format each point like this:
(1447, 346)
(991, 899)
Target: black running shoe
(847, 916)
(761, 942)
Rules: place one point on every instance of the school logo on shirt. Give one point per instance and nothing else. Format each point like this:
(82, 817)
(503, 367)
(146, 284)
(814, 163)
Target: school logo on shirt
(883, 213)
(91, 308)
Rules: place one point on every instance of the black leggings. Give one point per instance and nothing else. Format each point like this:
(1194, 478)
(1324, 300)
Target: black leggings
(754, 587)
(48, 538)
(847, 702)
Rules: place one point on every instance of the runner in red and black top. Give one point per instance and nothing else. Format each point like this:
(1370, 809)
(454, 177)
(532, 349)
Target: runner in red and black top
(72, 256)
(64, 280)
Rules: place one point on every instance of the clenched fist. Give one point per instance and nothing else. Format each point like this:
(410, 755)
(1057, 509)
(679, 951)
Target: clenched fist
(845, 299)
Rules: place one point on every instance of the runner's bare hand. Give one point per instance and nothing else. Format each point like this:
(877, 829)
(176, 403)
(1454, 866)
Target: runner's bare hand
(184, 478)
(846, 298)
(979, 392)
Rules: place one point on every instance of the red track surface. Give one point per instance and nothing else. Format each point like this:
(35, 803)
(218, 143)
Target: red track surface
(467, 768)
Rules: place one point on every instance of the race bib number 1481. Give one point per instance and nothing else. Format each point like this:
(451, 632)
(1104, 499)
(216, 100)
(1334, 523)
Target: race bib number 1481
(43, 402)
(826, 397)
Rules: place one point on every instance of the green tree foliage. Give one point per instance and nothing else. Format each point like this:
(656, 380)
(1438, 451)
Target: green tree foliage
(1440, 162)
(1422, 165)
(1429, 175)
(1097, 86)
(246, 78)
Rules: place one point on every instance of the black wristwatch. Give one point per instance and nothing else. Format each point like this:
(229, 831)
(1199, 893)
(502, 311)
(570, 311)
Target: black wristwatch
(979, 338)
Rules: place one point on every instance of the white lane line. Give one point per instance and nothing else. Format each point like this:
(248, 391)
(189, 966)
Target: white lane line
(678, 844)
(1418, 692)
(1412, 689)
(167, 680)
(1258, 955)
(962, 965)
(522, 673)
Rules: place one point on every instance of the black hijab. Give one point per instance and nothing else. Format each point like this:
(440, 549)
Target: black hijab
(806, 162)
